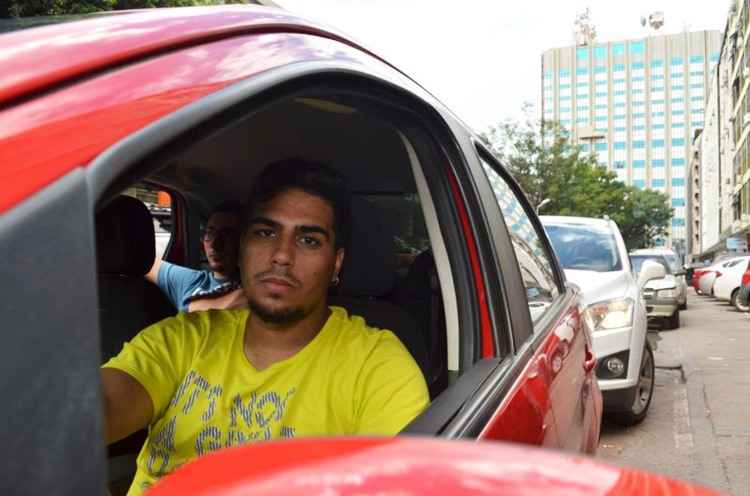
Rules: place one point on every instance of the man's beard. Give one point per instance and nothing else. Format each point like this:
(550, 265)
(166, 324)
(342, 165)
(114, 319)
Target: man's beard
(281, 316)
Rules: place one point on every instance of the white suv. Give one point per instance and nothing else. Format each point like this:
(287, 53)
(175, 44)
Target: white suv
(594, 257)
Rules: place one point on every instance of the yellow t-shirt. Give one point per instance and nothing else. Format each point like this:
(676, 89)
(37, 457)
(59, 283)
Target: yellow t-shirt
(350, 379)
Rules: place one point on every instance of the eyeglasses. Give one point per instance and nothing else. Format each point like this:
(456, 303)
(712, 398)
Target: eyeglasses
(210, 233)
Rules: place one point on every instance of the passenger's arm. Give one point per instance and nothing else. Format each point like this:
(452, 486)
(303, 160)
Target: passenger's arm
(127, 405)
(153, 273)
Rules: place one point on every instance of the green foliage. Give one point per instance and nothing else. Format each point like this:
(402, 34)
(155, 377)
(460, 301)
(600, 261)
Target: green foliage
(547, 165)
(27, 8)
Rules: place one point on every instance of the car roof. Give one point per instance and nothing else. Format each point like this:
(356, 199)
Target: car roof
(653, 251)
(576, 221)
(47, 56)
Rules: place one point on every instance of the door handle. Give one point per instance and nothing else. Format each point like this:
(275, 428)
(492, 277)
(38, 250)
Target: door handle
(590, 361)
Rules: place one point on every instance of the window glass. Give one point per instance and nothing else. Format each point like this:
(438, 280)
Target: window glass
(159, 204)
(584, 247)
(531, 254)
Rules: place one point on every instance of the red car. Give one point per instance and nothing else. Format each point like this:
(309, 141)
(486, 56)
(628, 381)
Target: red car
(192, 103)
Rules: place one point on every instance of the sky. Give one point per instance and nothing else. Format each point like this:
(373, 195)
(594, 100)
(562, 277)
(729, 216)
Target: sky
(482, 58)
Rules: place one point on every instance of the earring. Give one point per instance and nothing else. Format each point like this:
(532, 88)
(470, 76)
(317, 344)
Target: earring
(336, 280)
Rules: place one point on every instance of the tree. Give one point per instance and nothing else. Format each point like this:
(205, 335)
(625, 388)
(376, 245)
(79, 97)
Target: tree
(547, 165)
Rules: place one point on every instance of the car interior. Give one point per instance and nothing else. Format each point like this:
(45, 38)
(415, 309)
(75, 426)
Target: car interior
(396, 272)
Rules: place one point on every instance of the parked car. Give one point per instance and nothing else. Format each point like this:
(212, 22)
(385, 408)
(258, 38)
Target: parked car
(742, 302)
(593, 255)
(728, 281)
(194, 102)
(662, 296)
(709, 275)
(676, 271)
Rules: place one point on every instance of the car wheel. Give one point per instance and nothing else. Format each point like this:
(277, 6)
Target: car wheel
(737, 303)
(672, 322)
(644, 391)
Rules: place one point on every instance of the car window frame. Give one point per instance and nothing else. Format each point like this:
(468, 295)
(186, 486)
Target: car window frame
(559, 304)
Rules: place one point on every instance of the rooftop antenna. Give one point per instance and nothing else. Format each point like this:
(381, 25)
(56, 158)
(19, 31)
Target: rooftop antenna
(654, 21)
(584, 29)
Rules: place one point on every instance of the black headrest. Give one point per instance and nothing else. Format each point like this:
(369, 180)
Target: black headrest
(124, 238)
(370, 260)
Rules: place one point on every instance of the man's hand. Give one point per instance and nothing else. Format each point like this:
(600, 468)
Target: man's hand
(153, 273)
(127, 405)
(233, 299)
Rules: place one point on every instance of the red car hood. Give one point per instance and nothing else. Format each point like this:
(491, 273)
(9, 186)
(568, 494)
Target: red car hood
(408, 466)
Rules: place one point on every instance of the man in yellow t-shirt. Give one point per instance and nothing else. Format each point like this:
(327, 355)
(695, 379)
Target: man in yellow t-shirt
(289, 366)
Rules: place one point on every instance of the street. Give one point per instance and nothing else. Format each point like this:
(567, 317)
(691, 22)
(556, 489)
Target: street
(698, 428)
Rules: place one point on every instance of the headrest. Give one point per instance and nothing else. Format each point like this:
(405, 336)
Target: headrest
(124, 238)
(370, 260)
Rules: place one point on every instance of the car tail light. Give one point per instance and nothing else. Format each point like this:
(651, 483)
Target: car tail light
(746, 277)
(718, 274)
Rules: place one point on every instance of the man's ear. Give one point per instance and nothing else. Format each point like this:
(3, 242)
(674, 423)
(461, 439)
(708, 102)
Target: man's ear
(338, 262)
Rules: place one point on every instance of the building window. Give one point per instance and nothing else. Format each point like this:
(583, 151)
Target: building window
(639, 144)
(657, 143)
(639, 164)
(636, 65)
(582, 72)
(657, 183)
(678, 181)
(637, 47)
(619, 145)
(600, 69)
(696, 98)
(676, 75)
(657, 126)
(639, 183)
(601, 146)
(657, 63)
(696, 86)
(618, 67)
(619, 164)
(678, 100)
(678, 112)
(696, 73)
(639, 115)
(600, 52)
(618, 49)
(678, 141)
(584, 147)
(678, 88)
(582, 53)
(600, 118)
(659, 162)
(564, 73)
(677, 124)
(637, 78)
(676, 61)
(678, 222)
(678, 202)
(697, 111)
(696, 59)
(657, 77)
(696, 123)
(678, 161)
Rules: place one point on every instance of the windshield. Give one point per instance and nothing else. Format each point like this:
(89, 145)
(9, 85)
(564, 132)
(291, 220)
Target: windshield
(584, 247)
(637, 261)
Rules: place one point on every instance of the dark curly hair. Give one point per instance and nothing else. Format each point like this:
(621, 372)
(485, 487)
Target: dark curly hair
(311, 177)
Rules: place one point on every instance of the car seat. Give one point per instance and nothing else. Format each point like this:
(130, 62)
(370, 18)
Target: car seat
(419, 292)
(127, 303)
(125, 253)
(368, 275)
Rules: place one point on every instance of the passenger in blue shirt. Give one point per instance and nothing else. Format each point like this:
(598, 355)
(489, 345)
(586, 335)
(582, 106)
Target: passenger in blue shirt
(215, 287)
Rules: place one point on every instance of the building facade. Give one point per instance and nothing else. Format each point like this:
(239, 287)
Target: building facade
(637, 105)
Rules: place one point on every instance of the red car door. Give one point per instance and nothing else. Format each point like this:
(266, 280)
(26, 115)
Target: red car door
(555, 400)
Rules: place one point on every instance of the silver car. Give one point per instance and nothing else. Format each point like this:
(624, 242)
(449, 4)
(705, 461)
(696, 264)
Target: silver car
(664, 297)
(594, 257)
(675, 269)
